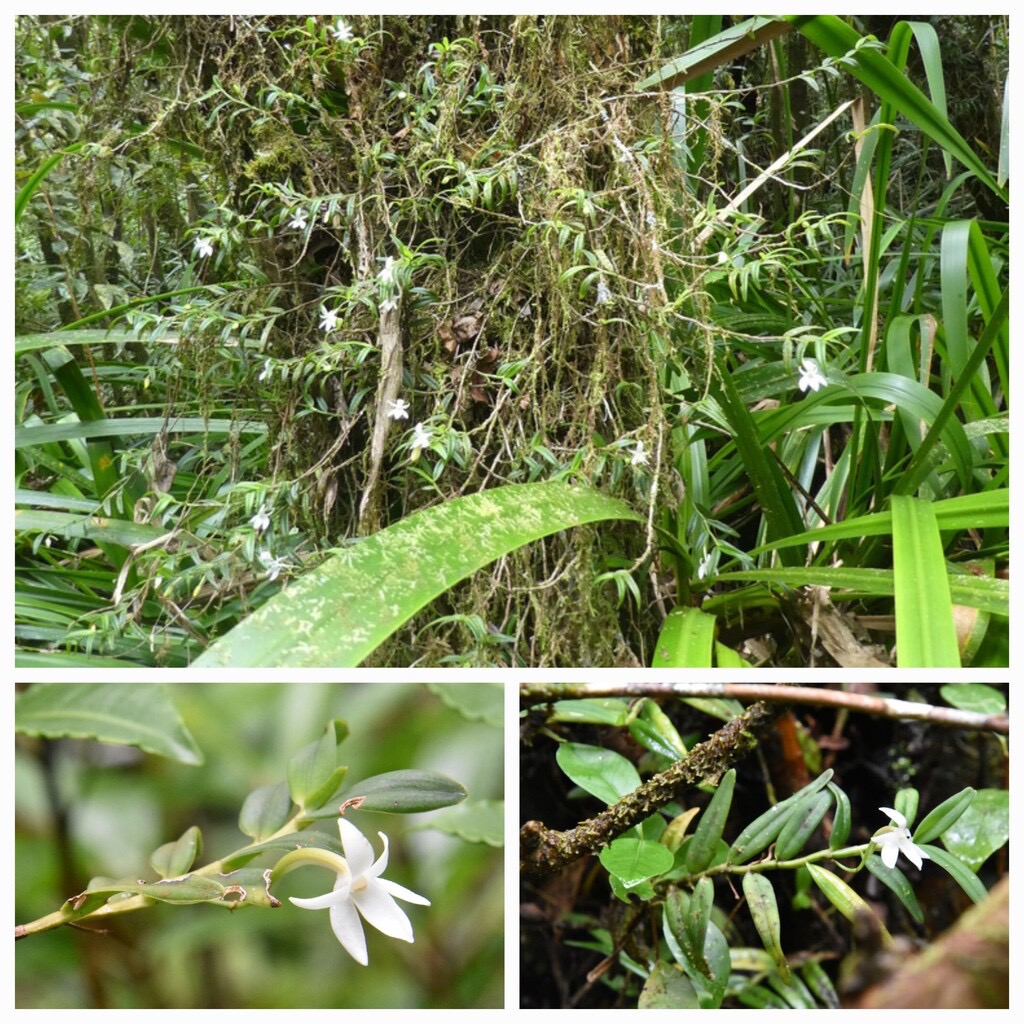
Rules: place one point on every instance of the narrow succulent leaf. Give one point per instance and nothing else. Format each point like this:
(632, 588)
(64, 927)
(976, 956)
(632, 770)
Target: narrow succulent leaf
(764, 912)
(842, 897)
(766, 827)
(702, 846)
(906, 802)
(698, 917)
(307, 839)
(407, 791)
(896, 881)
(820, 984)
(340, 612)
(591, 711)
(842, 819)
(801, 825)
(960, 872)
(944, 816)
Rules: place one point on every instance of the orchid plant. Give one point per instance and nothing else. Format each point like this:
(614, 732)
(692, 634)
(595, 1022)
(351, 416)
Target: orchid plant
(666, 867)
(281, 821)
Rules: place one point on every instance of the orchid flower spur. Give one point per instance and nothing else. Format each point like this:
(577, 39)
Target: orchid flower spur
(896, 840)
(358, 891)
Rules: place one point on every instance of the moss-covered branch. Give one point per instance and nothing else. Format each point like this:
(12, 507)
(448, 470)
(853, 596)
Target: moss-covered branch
(544, 851)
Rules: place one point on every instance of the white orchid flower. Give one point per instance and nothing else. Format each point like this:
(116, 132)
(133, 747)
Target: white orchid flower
(811, 376)
(896, 840)
(420, 436)
(203, 247)
(639, 455)
(328, 319)
(399, 409)
(272, 565)
(359, 891)
(298, 221)
(261, 520)
(341, 32)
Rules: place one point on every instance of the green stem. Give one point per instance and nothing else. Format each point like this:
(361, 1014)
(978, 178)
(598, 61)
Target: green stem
(122, 906)
(797, 862)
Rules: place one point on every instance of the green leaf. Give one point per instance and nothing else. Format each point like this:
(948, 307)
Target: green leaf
(708, 968)
(97, 528)
(476, 702)
(591, 710)
(654, 729)
(842, 897)
(339, 613)
(842, 819)
(308, 839)
(133, 714)
(976, 697)
(635, 860)
(820, 984)
(475, 821)
(766, 827)
(313, 773)
(173, 859)
(982, 829)
(686, 640)
(186, 890)
(700, 850)
(925, 630)
(602, 773)
(944, 816)
(961, 873)
(801, 824)
(264, 811)
(895, 880)
(872, 68)
(406, 792)
(764, 912)
(667, 988)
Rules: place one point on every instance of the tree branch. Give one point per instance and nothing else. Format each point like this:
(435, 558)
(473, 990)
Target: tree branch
(544, 851)
(863, 703)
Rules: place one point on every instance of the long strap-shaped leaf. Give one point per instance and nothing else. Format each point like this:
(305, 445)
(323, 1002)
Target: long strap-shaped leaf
(879, 74)
(341, 611)
(925, 633)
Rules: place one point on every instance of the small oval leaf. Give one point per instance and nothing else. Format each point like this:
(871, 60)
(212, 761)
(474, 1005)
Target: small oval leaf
(265, 811)
(406, 792)
(173, 859)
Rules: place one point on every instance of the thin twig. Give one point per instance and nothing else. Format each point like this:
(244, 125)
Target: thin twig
(879, 707)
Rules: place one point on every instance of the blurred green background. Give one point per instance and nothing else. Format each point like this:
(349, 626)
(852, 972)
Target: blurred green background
(86, 809)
